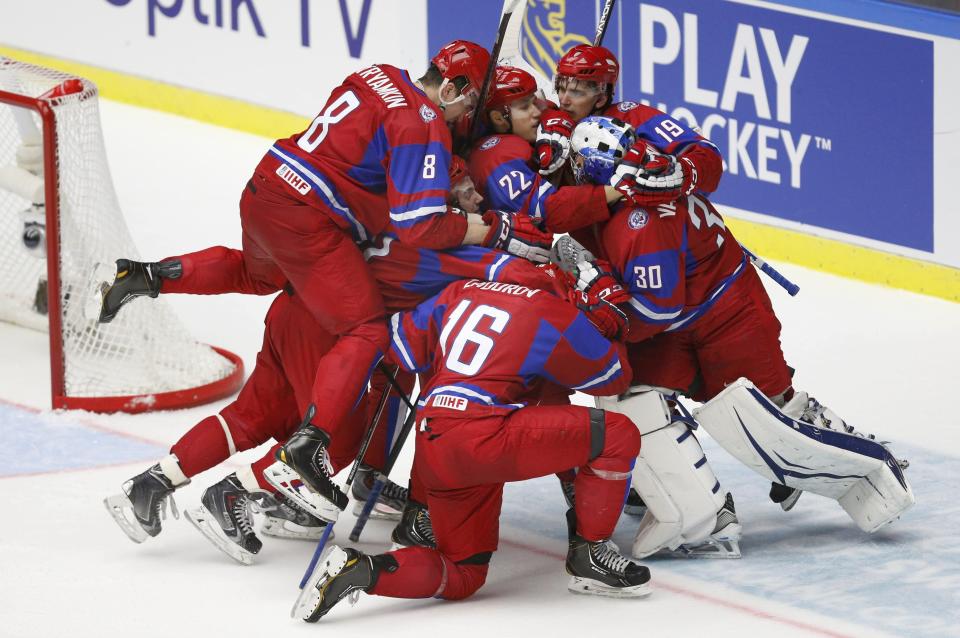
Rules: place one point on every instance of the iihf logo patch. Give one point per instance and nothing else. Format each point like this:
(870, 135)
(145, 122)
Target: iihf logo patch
(427, 114)
(627, 106)
(638, 219)
(493, 141)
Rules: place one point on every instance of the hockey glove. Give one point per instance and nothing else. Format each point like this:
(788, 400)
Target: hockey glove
(596, 278)
(516, 234)
(553, 140)
(664, 179)
(609, 320)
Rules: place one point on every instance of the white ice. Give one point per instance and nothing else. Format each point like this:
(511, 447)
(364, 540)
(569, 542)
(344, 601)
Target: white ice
(884, 359)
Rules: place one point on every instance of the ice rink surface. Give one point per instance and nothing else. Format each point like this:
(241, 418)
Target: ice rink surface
(883, 359)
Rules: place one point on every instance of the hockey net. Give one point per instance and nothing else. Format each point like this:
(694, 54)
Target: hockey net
(61, 229)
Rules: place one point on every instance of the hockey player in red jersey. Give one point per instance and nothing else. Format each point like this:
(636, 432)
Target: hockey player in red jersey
(585, 80)
(700, 321)
(503, 167)
(488, 348)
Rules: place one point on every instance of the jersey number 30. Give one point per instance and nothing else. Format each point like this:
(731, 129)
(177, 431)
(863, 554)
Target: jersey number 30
(468, 341)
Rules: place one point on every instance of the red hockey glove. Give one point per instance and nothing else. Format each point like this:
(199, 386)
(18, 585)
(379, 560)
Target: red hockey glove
(553, 140)
(649, 178)
(596, 278)
(516, 234)
(609, 320)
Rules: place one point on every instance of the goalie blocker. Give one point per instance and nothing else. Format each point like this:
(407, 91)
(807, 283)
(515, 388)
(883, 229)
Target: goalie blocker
(858, 472)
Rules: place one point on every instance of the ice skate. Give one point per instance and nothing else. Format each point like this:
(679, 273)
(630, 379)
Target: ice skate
(390, 503)
(414, 528)
(723, 542)
(787, 497)
(284, 518)
(305, 452)
(634, 505)
(138, 508)
(291, 486)
(340, 573)
(135, 279)
(599, 569)
(225, 518)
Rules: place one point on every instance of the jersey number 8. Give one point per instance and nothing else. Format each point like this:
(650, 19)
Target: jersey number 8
(346, 104)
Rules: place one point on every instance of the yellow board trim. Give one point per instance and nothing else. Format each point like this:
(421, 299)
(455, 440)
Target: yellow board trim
(213, 109)
(771, 242)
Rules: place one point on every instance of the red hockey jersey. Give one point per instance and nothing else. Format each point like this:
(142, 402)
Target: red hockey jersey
(675, 260)
(489, 348)
(378, 153)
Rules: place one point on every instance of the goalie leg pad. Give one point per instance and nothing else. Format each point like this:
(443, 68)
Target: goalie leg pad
(672, 475)
(858, 472)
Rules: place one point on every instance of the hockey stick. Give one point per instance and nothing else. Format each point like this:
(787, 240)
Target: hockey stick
(604, 22)
(381, 404)
(772, 273)
(381, 480)
(392, 379)
(491, 68)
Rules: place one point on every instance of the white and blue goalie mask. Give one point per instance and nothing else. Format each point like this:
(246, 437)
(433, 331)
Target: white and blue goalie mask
(598, 143)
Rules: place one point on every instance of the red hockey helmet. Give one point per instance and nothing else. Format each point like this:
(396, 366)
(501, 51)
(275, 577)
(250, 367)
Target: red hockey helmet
(458, 170)
(462, 58)
(510, 84)
(589, 63)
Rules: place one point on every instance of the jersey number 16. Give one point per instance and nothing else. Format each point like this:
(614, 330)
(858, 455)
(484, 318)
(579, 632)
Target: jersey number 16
(467, 335)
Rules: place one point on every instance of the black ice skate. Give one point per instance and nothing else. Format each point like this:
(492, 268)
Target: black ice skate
(340, 573)
(414, 528)
(391, 501)
(226, 519)
(787, 497)
(634, 505)
(144, 498)
(284, 518)
(305, 452)
(135, 279)
(598, 569)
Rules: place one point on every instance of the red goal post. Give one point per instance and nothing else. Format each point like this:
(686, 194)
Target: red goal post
(61, 228)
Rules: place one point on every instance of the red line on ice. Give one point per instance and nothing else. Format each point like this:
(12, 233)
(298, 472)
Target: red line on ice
(702, 597)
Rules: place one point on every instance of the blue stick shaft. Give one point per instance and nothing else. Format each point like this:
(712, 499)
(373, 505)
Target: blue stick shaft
(773, 274)
(367, 508)
(316, 553)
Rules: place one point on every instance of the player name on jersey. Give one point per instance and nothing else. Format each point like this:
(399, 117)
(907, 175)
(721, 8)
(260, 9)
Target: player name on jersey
(495, 286)
(380, 83)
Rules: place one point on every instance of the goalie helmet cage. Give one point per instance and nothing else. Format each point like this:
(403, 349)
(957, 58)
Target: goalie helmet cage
(145, 359)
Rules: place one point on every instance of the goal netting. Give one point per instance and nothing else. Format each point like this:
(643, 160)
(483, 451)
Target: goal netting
(61, 229)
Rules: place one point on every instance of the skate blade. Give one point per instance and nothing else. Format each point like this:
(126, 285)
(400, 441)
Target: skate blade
(331, 562)
(117, 505)
(589, 587)
(725, 545)
(292, 486)
(788, 503)
(207, 525)
(379, 512)
(280, 528)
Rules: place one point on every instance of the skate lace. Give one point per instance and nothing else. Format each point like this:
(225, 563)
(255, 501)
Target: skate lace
(424, 527)
(394, 492)
(608, 557)
(160, 507)
(241, 511)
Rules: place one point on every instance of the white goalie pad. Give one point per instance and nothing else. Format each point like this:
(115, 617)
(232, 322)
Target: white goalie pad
(672, 476)
(857, 471)
(292, 486)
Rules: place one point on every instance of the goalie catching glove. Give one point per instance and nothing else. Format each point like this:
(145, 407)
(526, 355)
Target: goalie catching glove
(516, 234)
(649, 178)
(553, 140)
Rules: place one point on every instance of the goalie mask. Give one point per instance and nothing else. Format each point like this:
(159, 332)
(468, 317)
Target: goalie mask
(596, 146)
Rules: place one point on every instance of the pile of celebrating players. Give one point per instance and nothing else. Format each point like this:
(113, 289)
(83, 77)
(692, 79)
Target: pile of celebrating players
(569, 246)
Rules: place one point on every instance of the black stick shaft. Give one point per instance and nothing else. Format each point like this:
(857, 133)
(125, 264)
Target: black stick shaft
(604, 22)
